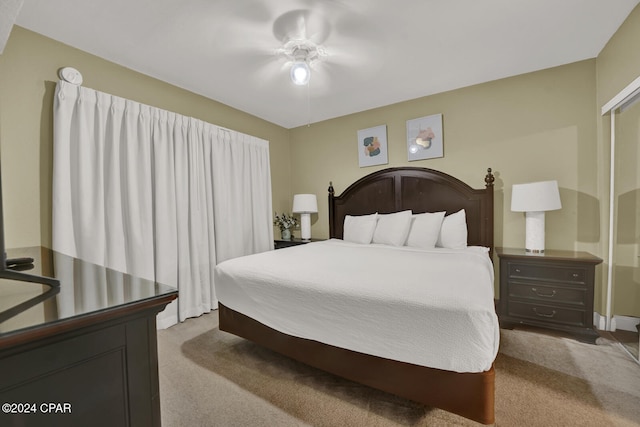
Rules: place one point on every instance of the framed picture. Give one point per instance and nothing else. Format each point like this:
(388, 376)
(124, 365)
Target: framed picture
(424, 138)
(372, 146)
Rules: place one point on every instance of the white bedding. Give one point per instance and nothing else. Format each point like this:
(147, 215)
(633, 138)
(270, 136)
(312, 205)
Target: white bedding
(429, 307)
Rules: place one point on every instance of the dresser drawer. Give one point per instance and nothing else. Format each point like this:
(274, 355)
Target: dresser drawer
(570, 274)
(547, 313)
(548, 293)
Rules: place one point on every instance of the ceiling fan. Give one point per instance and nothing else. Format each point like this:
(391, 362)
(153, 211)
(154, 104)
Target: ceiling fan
(301, 33)
(282, 45)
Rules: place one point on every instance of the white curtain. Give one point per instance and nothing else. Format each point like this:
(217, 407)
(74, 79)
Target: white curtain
(155, 194)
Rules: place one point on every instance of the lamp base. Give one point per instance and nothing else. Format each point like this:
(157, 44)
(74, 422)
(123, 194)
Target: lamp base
(305, 226)
(534, 242)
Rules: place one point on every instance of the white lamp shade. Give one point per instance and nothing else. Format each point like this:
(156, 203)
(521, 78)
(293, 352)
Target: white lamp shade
(535, 197)
(305, 203)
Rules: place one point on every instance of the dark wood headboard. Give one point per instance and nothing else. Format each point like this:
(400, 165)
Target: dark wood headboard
(421, 190)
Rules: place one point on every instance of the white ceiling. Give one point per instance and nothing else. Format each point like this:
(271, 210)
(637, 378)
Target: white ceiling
(379, 52)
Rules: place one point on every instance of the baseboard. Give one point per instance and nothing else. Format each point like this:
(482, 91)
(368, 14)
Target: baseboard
(599, 321)
(625, 323)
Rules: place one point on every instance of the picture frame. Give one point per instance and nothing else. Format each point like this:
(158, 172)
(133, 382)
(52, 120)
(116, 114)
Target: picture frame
(372, 146)
(425, 139)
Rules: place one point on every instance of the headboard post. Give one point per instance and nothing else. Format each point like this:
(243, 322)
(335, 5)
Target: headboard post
(331, 210)
(489, 178)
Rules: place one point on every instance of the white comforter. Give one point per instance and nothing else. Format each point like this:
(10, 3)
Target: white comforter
(427, 307)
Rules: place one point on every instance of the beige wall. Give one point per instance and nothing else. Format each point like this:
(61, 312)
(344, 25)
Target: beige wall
(28, 72)
(618, 65)
(536, 126)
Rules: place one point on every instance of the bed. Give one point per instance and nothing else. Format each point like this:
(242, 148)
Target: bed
(457, 374)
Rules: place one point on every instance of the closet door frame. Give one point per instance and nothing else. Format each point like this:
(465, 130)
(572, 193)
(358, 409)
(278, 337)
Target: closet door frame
(623, 100)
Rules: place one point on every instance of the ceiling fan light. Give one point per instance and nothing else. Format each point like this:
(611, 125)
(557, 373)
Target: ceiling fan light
(300, 73)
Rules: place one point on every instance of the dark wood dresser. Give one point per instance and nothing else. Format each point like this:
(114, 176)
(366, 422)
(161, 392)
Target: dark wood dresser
(551, 290)
(84, 354)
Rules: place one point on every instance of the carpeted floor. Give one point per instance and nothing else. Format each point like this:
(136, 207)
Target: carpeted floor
(211, 378)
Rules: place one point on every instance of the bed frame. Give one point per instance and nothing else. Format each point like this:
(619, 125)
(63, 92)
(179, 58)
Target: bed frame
(470, 395)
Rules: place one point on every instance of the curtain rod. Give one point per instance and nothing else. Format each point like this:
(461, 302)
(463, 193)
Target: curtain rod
(73, 76)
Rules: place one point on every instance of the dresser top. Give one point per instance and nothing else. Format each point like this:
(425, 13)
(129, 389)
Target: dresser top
(85, 289)
(549, 254)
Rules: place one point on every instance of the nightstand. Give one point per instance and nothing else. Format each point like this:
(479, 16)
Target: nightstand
(279, 244)
(551, 290)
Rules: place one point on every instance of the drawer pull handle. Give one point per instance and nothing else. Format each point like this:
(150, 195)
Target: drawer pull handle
(553, 313)
(575, 275)
(517, 270)
(551, 295)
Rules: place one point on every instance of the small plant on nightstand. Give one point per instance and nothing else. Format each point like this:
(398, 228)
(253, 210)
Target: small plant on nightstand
(285, 223)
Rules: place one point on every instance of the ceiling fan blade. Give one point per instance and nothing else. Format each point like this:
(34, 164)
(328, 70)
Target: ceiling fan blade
(301, 24)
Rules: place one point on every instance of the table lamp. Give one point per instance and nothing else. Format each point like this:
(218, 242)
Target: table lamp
(534, 199)
(305, 205)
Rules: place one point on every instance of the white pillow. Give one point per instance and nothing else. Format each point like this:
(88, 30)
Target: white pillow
(359, 229)
(392, 229)
(453, 232)
(425, 229)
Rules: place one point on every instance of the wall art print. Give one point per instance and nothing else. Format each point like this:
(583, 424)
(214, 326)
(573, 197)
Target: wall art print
(372, 146)
(424, 138)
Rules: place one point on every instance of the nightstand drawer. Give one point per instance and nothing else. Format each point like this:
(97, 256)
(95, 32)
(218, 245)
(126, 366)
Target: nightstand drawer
(547, 314)
(547, 293)
(547, 272)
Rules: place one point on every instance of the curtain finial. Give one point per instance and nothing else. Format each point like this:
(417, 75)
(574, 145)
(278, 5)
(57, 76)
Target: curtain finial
(71, 75)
